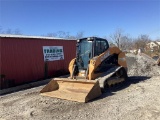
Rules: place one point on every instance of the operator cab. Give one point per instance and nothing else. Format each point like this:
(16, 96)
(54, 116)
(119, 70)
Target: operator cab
(88, 48)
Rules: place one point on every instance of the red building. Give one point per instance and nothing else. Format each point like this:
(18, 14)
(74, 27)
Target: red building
(22, 58)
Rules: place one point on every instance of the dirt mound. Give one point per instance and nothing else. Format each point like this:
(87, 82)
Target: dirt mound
(142, 65)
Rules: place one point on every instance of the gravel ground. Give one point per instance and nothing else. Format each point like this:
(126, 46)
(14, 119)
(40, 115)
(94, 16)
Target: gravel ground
(136, 99)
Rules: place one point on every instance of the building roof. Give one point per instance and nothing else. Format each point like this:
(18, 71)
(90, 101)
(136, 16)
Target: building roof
(26, 36)
(153, 42)
(158, 42)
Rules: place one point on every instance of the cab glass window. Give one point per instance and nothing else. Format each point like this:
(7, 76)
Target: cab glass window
(100, 46)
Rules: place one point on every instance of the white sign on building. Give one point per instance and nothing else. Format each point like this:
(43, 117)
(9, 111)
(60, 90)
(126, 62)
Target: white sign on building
(52, 53)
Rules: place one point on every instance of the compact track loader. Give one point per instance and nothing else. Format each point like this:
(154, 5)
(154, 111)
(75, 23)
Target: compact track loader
(95, 67)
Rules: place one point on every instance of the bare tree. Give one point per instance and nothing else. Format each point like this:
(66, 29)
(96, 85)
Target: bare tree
(17, 32)
(71, 37)
(79, 35)
(51, 35)
(121, 40)
(66, 35)
(126, 43)
(116, 37)
(62, 34)
(10, 31)
(141, 41)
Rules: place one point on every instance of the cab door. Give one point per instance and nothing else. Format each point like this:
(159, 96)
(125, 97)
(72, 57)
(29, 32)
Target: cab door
(101, 45)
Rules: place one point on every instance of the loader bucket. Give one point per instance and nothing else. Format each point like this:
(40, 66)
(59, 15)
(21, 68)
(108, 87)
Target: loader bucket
(75, 90)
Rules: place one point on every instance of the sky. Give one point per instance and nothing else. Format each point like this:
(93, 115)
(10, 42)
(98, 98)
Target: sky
(93, 17)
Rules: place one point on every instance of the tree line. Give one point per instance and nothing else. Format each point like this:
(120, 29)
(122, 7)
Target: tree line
(117, 38)
(125, 42)
(10, 31)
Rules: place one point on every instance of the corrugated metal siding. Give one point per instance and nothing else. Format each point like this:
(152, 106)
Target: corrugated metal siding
(22, 58)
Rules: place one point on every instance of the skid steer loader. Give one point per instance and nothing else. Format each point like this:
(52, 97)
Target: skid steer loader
(95, 67)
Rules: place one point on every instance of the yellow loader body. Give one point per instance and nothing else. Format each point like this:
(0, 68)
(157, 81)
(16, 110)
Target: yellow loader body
(89, 72)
